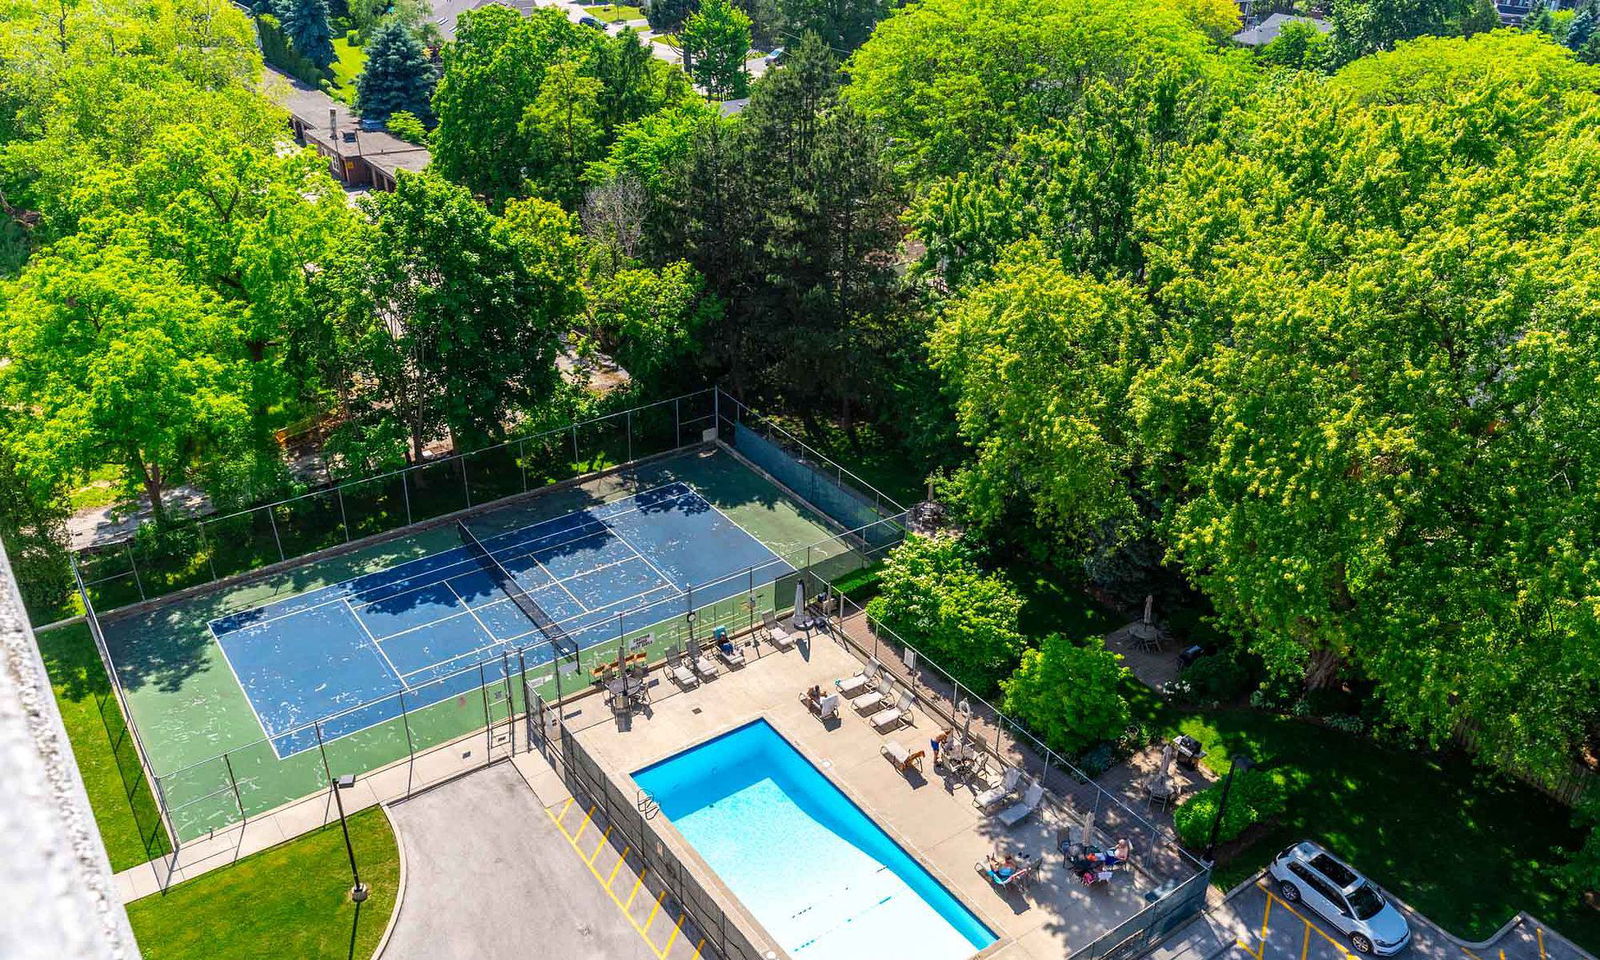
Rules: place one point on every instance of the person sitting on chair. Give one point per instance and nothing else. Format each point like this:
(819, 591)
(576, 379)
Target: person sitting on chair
(814, 696)
(1001, 871)
(726, 646)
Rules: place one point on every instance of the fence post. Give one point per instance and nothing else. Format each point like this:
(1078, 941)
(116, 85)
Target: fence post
(275, 538)
(405, 721)
(405, 491)
(235, 782)
(677, 423)
(716, 409)
(466, 488)
(488, 727)
(576, 459)
(205, 544)
(343, 517)
(522, 461)
(316, 727)
(630, 434)
(134, 566)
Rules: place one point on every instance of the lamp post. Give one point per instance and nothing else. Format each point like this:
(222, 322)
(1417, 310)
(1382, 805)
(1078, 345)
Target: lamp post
(1241, 763)
(358, 892)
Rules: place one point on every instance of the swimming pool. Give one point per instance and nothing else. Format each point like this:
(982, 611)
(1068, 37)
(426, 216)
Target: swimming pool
(819, 874)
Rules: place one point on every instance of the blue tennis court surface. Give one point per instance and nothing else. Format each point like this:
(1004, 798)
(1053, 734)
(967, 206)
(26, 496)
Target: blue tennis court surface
(422, 628)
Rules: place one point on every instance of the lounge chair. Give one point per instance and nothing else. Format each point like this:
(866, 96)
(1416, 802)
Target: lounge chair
(705, 666)
(850, 686)
(899, 713)
(828, 707)
(682, 672)
(1000, 792)
(871, 699)
(1022, 809)
(779, 637)
(730, 654)
(1020, 875)
(902, 758)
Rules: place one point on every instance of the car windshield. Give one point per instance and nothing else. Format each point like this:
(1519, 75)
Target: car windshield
(1365, 901)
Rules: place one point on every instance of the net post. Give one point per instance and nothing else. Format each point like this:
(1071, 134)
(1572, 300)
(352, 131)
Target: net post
(343, 518)
(234, 781)
(576, 457)
(405, 721)
(205, 544)
(134, 566)
(275, 538)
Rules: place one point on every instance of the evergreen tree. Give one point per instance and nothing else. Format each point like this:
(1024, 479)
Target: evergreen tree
(1538, 18)
(715, 40)
(667, 16)
(1590, 51)
(305, 23)
(1482, 18)
(1581, 28)
(398, 76)
(842, 24)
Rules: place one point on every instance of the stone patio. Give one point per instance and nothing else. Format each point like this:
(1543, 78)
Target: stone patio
(930, 813)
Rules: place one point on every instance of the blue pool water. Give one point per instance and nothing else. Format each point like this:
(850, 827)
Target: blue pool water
(823, 879)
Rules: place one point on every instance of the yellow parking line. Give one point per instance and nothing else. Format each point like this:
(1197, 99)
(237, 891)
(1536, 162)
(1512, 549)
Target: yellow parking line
(697, 950)
(585, 824)
(1305, 944)
(564, 807)
(1469, 953)
(600, 846)
(624, 908)
(637, 883)
(657, 908)
(677, 928)
(620, 861)
(1539, 932)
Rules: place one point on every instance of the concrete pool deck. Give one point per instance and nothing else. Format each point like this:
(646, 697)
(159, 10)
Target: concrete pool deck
(930, 813)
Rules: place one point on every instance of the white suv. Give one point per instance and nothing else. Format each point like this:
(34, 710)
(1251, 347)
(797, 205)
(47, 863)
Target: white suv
(1350, 903)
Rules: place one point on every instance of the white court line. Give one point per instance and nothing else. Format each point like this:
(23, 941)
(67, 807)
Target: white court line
(557, 580)
(377, 646)
(243, 689)
(408, 579)
(484, 626)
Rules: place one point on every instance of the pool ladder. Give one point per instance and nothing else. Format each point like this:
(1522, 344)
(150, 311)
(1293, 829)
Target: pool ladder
(647, 805)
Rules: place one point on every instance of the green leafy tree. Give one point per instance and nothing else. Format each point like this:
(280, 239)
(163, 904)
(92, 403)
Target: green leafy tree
(1581, 28)
(936, 597)
(454, 316)
(305, 22)
(1482, 17)
(1256, 797)
(1537, 19)
(564, 131)
(398, 76)
(408, 127)
(1069, 693)
(1362, 27)
(841, 24)
(667, 16)
(636, 83)
(651, 148)
(715, 39)
(492, 75)
(651, 320)
(1299, 45)
(118, 359)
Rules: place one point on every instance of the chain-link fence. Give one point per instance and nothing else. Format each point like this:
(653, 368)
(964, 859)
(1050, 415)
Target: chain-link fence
(163, 558)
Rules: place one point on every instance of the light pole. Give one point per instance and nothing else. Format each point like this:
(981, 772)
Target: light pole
(1241, 763)
(358, 892)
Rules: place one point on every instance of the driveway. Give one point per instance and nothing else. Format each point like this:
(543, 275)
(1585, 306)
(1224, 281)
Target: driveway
(1265, 927)
(488, 876)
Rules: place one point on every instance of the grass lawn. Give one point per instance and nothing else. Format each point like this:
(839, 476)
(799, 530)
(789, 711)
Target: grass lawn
(614, 12)
(348, 63)
(1053, 602)
(1466, 848)
(288, 901)
(103, 489)
(81, 687)
(666, 40)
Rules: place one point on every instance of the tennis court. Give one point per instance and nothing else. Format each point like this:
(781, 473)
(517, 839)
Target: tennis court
(594, 574)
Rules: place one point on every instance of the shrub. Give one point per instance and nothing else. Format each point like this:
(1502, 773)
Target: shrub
(1069, 694)
(936, 597)
(1581, 874)
(405, 125)
(1221, 677)
(1256, 797)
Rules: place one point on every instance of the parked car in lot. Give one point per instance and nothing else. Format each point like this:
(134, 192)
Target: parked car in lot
(1350, 903)
(591, 22)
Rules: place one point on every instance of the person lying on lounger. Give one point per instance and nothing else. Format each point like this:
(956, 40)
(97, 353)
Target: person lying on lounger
(1001, 870)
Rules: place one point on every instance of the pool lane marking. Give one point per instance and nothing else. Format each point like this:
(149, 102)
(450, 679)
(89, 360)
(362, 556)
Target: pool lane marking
(626, 909)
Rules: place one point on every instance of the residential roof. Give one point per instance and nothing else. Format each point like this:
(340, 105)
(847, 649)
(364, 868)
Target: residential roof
(1267, 30)
(445, 12)
(315, 111)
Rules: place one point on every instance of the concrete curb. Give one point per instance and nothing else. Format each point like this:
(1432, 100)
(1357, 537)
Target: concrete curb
(400, 889)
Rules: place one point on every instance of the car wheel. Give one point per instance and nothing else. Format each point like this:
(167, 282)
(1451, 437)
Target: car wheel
(1361, 943)
(1288, 891)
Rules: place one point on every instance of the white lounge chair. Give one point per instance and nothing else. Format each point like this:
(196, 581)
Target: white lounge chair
(902, 758)
(685, 676)
(1000, 792)
(871, 699)
(1022, 809)
(899, 713)
(850, 686)
(733, 657)
(781, 638)
(705, 666)
(828, 707)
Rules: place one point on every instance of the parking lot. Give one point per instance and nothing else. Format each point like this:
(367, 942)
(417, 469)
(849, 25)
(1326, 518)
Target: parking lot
(1265, 927)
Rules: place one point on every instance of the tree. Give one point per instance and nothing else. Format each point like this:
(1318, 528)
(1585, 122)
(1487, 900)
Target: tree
(934, 596)
(408, 127)
(305, 22)
(398, 76)
(637, 84)
(1537, 19)
(651, 148)
(667, 16)
(651, 320)
(1069, 693)
(1299, 45)
(1581, 29)
(455, 315)
(1482, 17)
(1217, 19)
(563, 130)
(715, 39)
(842, 25)
(1362, 27)
(492, 75)
(119, 360)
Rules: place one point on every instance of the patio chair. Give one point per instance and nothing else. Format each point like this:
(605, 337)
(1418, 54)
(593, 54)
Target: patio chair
(871, 699)
(776, 635)
(682, 672)
(730, 654)
(899, 713)
(850, 686)
(902, 758)
(828, 707)
(1022, 809)
(705, 666)
(1000, 792)
(1019, 877)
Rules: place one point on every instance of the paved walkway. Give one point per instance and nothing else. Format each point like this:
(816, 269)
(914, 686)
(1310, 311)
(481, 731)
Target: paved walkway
(489, 877)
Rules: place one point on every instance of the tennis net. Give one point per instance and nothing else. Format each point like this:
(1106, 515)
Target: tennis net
(559, 639)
